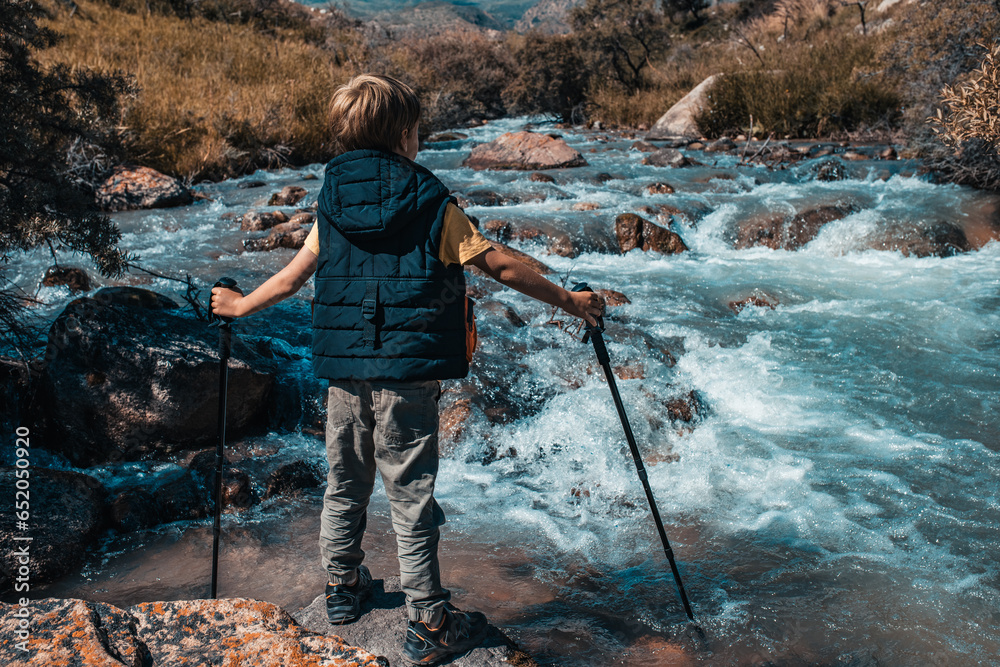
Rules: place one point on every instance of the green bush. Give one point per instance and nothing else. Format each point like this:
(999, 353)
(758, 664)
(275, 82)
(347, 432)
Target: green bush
(551, 77)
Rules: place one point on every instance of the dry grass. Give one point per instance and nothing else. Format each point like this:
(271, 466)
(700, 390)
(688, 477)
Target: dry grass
(216, 99)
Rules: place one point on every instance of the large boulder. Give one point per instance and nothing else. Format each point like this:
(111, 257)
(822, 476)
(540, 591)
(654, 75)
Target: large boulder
(941, 239)
(634, 231)
(127, 382)
(524, 151)
(679, 121)
(67, 512)
(777, 232)
(130, 187)
(234, 631)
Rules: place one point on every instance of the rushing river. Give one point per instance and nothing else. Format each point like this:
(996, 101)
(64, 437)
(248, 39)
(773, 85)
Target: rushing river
(835, 501)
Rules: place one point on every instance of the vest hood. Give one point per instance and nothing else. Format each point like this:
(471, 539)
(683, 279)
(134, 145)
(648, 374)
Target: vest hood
(373, 194)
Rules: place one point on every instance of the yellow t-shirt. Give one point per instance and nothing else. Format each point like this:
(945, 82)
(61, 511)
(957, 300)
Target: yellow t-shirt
(460, 240)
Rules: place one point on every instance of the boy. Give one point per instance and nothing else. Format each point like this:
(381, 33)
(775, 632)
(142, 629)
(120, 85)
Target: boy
(389, 322)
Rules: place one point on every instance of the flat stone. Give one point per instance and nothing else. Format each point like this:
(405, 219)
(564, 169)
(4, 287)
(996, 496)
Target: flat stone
(131, 187)
(524, 151)
(382, 630)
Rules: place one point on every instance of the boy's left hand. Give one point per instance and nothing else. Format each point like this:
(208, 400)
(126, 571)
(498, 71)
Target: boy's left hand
(225, 302)
(586, 305)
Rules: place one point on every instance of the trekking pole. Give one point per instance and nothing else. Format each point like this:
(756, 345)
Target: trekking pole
(595, 334)
(225, 347)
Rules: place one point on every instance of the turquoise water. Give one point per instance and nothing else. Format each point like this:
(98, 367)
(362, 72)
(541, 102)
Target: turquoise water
(835, 502)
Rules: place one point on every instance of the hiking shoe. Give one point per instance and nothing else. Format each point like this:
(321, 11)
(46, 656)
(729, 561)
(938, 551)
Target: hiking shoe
(459, 632)
(343, 603)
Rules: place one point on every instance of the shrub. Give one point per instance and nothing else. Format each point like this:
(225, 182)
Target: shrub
(804, 90)
(971, 126)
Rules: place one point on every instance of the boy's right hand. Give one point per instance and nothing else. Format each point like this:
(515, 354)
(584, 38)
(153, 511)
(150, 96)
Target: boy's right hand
(226, 302)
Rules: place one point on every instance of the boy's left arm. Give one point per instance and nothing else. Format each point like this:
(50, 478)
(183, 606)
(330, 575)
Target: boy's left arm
(277, 288)
(516, 275)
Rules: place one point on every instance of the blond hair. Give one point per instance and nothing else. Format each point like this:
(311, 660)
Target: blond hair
(371, 111)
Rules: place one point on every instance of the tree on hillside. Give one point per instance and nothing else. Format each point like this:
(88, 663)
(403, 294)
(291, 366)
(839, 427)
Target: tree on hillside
(622, 37)
(552, 77)
(44, 112)
(683, 6)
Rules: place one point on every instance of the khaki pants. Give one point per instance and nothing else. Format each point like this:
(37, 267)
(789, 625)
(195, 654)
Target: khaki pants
(391, 426)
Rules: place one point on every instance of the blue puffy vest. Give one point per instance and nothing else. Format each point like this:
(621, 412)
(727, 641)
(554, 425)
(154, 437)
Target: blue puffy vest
(386, 308)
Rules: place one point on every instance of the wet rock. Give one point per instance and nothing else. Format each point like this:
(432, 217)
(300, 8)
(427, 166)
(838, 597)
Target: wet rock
(68, 512)
(303, 218)
(696, 145)
(131, 187)
(586, 206)
(666, 157)
(831, 170)
(127, 382)
(282, 235)
(679, 120)
(635, 232)
(233, 631)
(943, 239)
(613, 298)
(487, 198)
(539, 177)
(774, 231)
(660, 189)
(135, 509)
(502, 311)
(259, 221)
(382, 628)
(686, 408)
(75, 278)
(452, 420)
(291, 477)
(524, 151)
(562, 245)
(888, 153)
(722, 145)
(237, 490)
(854, 156)
(290, 195)
(644, 147)
(498, 229)
(630, 371)
(442, 137)
(249, 185)
(754, 300)
(134, 297)
(604, 177)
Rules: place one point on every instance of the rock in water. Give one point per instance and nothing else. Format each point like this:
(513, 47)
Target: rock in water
(636, 232)
(773, 231)
(679, 121)
(197, 633)
(382, 629)
(258, 221)
(282, 235)
(666, 157)
(75, 278)
(524, 151)
(290, 195)
(124, 382)
(141, 187)
(68, 513)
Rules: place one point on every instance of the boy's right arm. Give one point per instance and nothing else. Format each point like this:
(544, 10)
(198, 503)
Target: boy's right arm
(277, 288)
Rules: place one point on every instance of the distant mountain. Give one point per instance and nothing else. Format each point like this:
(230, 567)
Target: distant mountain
(484, 14)
(548, 16)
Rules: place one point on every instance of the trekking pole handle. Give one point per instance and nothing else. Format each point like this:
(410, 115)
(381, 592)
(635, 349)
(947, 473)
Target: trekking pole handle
(593, 332)
(227, 283)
